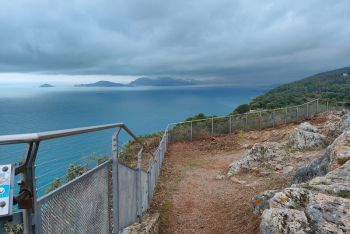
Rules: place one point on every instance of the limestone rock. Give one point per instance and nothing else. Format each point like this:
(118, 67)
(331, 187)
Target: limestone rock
(337, 124)
(261, 155)
(291, 198)
(336, 182)
(287, 169)
(261, 201)
(278, 220)
(336, 154)
(306, 136)
(328, 214)
(148, 225)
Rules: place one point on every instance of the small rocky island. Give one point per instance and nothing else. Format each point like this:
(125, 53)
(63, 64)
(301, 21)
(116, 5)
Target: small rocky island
(46, 86)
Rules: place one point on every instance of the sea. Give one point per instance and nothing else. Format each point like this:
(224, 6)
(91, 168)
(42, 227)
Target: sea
(143, 109)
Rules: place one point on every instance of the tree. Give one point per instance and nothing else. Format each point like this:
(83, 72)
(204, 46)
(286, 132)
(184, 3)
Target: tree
(241, 109)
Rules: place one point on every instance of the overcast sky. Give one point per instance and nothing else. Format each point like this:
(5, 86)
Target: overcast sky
(234, 41)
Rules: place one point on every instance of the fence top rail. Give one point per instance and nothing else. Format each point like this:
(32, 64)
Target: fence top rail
(237, 115)
(42, 136)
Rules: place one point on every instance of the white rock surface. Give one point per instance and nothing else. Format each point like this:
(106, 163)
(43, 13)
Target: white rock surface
(305, 137)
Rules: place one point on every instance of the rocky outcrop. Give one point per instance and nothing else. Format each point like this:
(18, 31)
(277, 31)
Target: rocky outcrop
(277, 220)
(305, 137)
(336, 155)
(296, 210)
(335, 182)
(265, 155)
(336, 124)
(148, 225)
(328, 214)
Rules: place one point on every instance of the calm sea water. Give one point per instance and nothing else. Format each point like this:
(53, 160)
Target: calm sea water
(144, 110)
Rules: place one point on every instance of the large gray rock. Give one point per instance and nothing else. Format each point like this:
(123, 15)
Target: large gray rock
(296, 210)
(291, 198)
(336, 155)
(305, 137)
(337, 124)
(328, 214)
(265, 155)
(336, 182)
(279, 220)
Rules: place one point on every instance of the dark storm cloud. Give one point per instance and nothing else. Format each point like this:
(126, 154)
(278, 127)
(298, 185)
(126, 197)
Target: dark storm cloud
(230, 40)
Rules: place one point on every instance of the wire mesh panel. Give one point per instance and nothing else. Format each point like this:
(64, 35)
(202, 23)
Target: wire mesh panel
(292, 115)
(279, 117)
(202, 128)
(221, 125)
(267, 119)
(81, 206)
(238, 123)
(253, 121)
(144, 190)
(180, 132)
(127, 195)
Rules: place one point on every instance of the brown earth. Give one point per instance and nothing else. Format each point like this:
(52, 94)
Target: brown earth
(191, 199)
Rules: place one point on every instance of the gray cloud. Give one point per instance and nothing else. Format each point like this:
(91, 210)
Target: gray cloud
(229, 40)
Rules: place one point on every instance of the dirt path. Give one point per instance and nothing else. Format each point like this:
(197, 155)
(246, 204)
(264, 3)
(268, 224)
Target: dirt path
(191, 199)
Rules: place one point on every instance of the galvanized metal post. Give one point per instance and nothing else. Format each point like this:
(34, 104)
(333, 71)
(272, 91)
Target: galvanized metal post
(115, 181)
(327, 106)
(29, 181)
(212, 126)
(273, 118)
(245, 122)
(307, 110)
(285, 116)
(191, 131)
(316, 106)
(297, 113)
(260, 120)
(230, 124)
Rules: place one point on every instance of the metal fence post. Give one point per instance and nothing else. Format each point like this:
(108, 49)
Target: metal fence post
(327, 106)
(316, 106)
(273, 118)
(260, 121)
(307, 110)
(29, 181)
(297, 113)
(212, 126)
(191, 131)
(115, 181)
(285, 115)
(230, 124)
(245, 122)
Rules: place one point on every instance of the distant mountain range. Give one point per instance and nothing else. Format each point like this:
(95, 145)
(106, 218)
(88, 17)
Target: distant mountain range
(143, 81)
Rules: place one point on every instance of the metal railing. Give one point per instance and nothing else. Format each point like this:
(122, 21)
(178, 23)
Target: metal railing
(254, 120)
(104, 199)
(112, 195)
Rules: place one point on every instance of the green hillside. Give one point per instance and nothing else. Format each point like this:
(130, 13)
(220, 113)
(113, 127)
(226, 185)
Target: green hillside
(332, 85)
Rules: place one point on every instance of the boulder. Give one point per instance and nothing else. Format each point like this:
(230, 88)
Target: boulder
(261, 156)
(328, 214)
(336, 182)
(336, 155)
(291, 198)
(305, 137)
(337, 124)
(279, 220)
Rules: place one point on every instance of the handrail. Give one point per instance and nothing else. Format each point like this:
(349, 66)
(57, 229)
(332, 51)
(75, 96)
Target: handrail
(42, 136)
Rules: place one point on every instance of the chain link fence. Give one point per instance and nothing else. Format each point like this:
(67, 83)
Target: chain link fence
(254, 120)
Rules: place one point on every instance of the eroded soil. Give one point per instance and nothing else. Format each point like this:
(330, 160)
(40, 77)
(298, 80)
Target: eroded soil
(191, 198)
